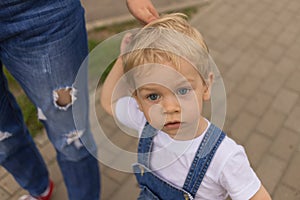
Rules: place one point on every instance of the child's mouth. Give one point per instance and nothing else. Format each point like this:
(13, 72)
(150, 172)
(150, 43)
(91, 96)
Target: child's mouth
(172, 125)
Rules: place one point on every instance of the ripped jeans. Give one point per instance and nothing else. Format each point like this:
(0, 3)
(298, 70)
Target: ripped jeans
(43, 44)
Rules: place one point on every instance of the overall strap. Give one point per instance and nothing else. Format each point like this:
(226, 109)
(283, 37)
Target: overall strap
(209, 145)
(145, 144)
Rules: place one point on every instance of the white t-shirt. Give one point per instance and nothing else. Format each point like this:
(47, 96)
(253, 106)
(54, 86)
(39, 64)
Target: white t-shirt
(229, 171)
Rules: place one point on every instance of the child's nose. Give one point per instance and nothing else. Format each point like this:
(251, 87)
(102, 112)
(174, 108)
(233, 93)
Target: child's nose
(171, 105)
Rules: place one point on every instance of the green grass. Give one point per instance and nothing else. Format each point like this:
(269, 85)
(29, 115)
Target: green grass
(28, 109)
(30, 115)
(100, 34)
(95, 37)
(92, 44)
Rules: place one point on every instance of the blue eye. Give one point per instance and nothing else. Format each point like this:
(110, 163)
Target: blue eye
(183, 91)
(153, 97)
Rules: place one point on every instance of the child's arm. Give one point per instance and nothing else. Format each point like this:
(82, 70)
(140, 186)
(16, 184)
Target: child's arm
(111, 88)
(261, 194)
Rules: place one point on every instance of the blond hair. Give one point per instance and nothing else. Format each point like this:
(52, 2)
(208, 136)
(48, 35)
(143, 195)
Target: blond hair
(167, 39)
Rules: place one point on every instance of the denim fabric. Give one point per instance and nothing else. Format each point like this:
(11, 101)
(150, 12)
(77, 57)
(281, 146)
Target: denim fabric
(42, 44)
(154, 187)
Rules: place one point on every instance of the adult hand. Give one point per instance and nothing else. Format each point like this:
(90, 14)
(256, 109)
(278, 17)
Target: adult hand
(143, 10)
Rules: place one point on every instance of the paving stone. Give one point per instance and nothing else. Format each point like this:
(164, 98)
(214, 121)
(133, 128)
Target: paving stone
(247, 19)
(121, 139)
(124, 162)
(9, 184)
(262, 68)
(101, 114)
(292, 175)
(285, 67)
(108, 125)
(256, 28)
(267, 17)
(201, 23)
(220, 45)
(223, 10)
(55, 173)
(250, 56)
(18, 194)
(258, 103)
(292, 27)
(236, 29)
(3, 194)
(293, 6)
(229, 86)
(270, 171)
(60, 192)
(293, 120)
(238, 71)
(294, 81)
(41, 139)
(113, 149)
(256, 147)
(284, 192)
(133, 147)
(274, 52)
(286, 38)
(116, 175)
(285, 101)
(277, 6)
(285, 144)
(249, 86)
(271, 122)
(293, 51)
(110, 187)
(284, 18)
(258, 9)
(273, 28)
(129, 185)
(229, 56)
(206, 110)
(215, 32)
(48, 153)
(235, 103)
(106, 154)
(3, 171)
(227, 127)
(273, 83)
(242, 41)
(243, 126)
(264, 41)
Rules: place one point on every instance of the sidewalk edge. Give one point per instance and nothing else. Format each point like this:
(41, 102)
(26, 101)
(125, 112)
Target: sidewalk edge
(90, 26)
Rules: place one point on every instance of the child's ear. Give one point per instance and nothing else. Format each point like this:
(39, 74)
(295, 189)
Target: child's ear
(208, 86)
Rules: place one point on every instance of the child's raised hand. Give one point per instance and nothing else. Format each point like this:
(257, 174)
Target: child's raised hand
(125, 41)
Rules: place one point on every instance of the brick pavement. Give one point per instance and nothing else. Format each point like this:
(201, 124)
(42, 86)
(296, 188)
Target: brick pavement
(256, 48)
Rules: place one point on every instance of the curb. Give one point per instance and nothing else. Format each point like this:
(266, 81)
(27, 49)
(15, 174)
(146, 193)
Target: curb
(90, 26)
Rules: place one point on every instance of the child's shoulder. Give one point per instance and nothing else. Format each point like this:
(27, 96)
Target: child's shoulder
(229, 153)
(228, 145)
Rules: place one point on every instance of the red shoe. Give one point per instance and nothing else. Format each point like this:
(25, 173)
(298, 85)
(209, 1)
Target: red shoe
(47, 197)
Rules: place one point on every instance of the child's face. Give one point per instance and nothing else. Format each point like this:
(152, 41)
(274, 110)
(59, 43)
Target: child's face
(171, 99)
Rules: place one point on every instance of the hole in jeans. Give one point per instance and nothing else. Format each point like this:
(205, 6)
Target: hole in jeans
(64, 97)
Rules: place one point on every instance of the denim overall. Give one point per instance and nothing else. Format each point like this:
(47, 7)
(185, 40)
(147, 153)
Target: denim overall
(155, 188)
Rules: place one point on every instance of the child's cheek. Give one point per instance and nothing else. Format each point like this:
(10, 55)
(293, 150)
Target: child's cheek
(190, 109)
(155, 116)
